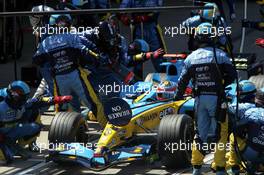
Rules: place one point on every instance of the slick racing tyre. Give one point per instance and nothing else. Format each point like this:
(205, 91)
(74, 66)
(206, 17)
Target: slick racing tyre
(175, 136)
(258, 80)
(156, 77)
(67, 127)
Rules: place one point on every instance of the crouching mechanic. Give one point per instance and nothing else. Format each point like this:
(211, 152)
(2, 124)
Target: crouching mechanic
(66, 52)
(16, 121)
(248, 131)
(210, 70)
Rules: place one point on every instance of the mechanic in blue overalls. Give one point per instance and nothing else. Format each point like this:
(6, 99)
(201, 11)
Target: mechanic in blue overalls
(145, 26)
(118, 56)
(247, 93)
(65, 52)
(206, 67)
(211, 16)
(16, 121)
(45, 70)
(249, 133)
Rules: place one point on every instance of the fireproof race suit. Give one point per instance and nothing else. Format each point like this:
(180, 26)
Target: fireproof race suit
(249, 134)
(17, 124)
(195, 21)
(66, 52)
(146, 27)
(205, 68)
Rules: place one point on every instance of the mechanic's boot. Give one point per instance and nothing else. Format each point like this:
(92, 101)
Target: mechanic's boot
(33, 147)
(197, 170)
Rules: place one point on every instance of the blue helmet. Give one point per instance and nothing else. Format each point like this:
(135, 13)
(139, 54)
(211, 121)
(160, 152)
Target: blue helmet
(247, 91)
(210, 14)
(17, 93)
(138, 46)
(60, 20)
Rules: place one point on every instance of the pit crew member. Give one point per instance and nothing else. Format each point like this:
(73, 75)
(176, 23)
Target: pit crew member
(119, 58)
(249, 131)
(211, 16)
(65, 51)
(145, 26)
(15, 123)
(211, 71)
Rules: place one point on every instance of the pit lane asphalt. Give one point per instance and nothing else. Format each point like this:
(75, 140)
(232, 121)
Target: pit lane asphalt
(36, 164)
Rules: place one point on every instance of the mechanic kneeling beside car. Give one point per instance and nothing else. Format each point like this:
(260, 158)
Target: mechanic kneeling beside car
(15, 123)
(210, 70)
(249, 133)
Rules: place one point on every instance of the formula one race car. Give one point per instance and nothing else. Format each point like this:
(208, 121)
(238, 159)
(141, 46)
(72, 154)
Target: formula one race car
(140, 126)
(143, 125)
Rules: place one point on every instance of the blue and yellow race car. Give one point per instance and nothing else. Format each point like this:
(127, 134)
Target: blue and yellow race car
(142, 125)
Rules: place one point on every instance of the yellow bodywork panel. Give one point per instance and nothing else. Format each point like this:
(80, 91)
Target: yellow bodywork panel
(114, 135)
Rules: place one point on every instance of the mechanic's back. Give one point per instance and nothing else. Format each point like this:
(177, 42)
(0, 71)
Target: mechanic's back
(63, 50)
(209, 60)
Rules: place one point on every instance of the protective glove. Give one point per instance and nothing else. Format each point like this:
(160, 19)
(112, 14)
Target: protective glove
(62, 99)
(156, 54)
(260, 42)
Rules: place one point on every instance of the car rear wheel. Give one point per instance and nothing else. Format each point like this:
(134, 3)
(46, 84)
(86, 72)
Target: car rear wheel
(175, 136)
(67, 127)
(258, 80)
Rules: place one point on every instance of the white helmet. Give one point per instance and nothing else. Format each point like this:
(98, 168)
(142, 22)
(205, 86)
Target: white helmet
(35, 19)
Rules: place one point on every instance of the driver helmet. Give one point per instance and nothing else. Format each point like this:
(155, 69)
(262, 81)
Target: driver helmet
(61, 20)
(210, 14)
(166, 90)
(138, 46)
(17, 94)
(259, 99)
(247, 91)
